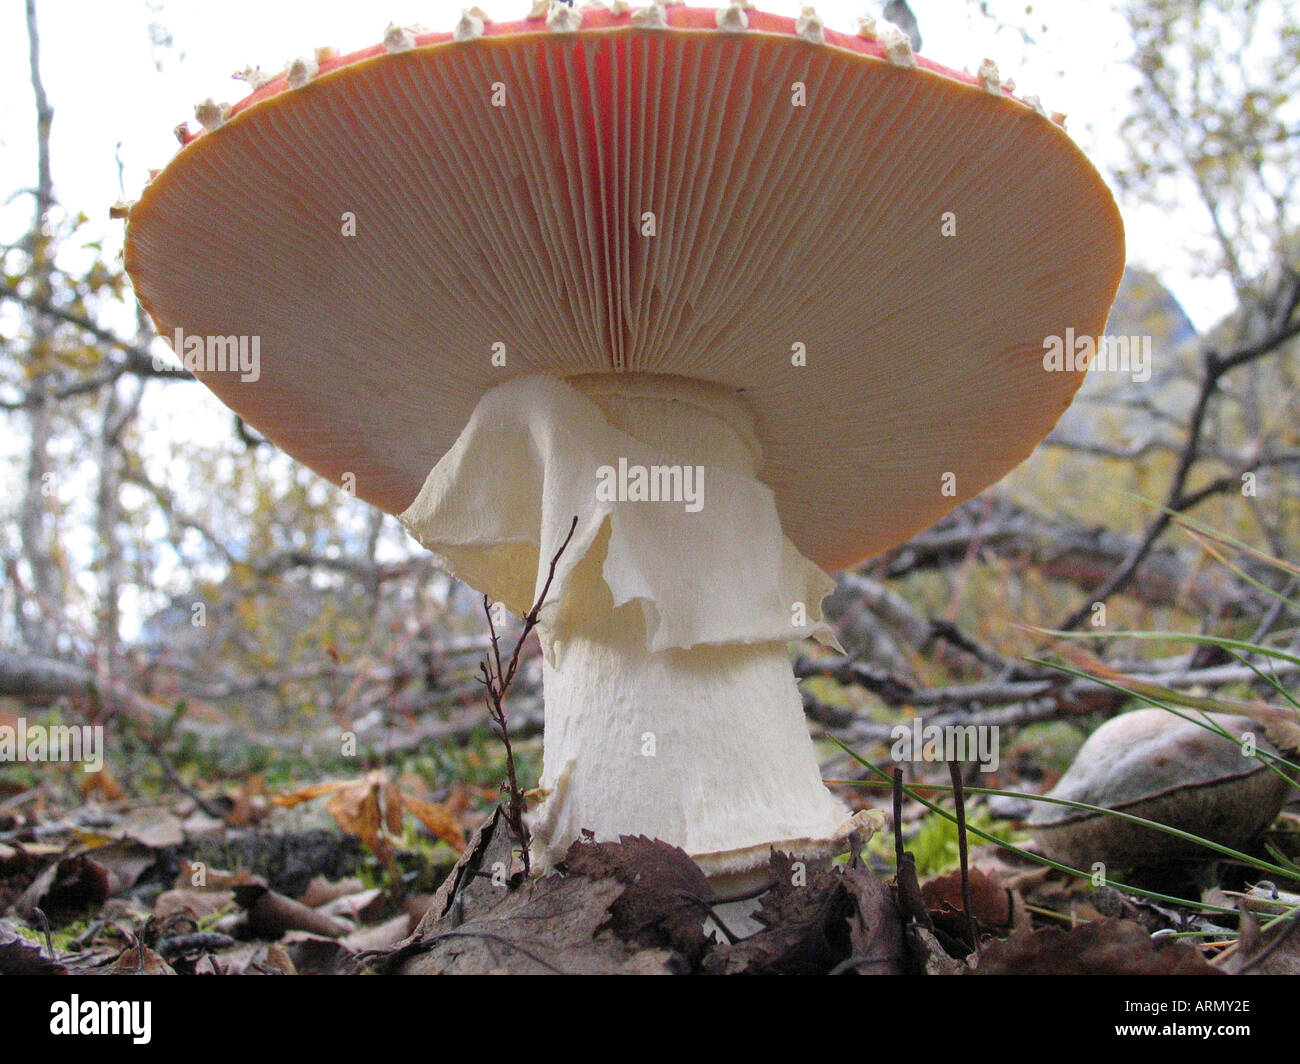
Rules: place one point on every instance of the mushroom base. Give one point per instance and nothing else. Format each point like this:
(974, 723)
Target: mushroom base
(706, 748)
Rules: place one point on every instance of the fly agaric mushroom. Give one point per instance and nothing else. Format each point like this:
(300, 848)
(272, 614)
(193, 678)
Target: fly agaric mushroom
(526, 272)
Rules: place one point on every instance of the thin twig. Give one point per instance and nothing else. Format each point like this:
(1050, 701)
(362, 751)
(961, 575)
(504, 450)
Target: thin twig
(497, 681)
(898, 817)
(959, 800)
(909, 897)
(45, 926)
(1214, 367)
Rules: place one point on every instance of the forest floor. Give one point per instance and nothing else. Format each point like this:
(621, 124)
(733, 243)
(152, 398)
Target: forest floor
(363, 876)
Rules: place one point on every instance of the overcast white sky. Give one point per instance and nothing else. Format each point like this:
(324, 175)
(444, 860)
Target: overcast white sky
(99, 69)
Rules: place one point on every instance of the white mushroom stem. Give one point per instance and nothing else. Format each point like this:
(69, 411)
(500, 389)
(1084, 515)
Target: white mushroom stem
(671, 709)
(706, 748)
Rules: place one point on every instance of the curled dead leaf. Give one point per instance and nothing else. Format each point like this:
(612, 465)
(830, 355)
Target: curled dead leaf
(1105, 947)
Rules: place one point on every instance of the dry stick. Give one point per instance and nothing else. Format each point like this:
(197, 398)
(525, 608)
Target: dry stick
(898, 817)
(491, 670)
(959, 799)
(1010, 703)
(177, 780)
(497, 682)
(910, 899)
(45, 926)
(1179, 499)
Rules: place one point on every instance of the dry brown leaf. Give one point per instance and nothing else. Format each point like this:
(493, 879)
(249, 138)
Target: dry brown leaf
(875, 927)
(804, 918)
(155, 828)
(1106, 947)
(438, 819)
(125, 861)
(249, 802)
(314, 955)
(197, 904)
(477, 923)
(194, 875)
(306, 794)
(321, 891)
(22, 956)
(90, 838)
(371, 808)
(1259, 952)
(139, 960)
(546, 926)
(277, 960)
(392, 808)
(100, 785)
(362, 907)
(66, 888)
(931, 957)
(666, 897)
(381, 936)
(357, 810)
(489, 850)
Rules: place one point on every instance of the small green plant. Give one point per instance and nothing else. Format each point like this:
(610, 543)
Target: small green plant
(934, 844)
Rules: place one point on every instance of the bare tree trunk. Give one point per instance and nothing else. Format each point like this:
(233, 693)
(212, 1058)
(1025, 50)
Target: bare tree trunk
(36, 619)
(118, 414)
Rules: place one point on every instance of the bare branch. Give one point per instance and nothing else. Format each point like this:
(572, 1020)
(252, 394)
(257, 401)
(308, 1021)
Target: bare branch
(1179, 498)
(498, 682)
